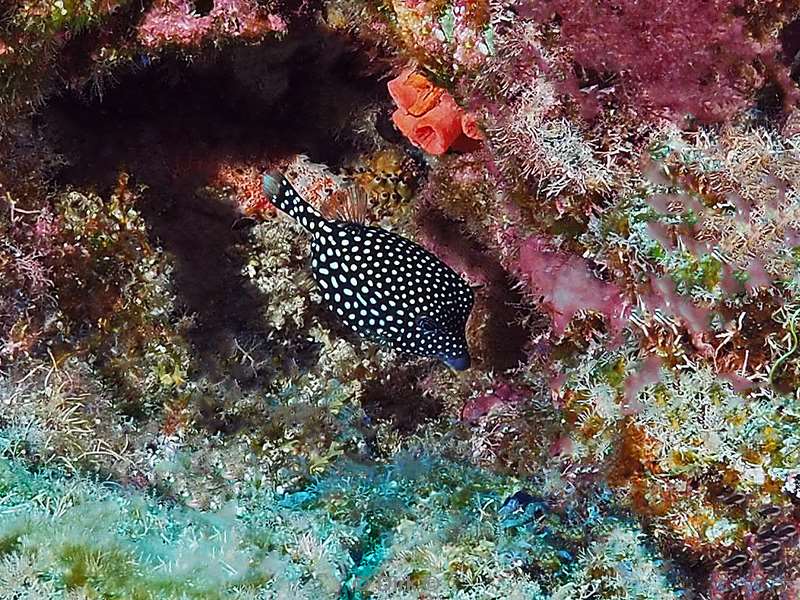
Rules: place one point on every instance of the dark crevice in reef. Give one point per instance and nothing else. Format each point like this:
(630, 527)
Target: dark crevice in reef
(790, 47)
(203, 7)
(76, 58)
(171, 126)
(690, 567)
(769, 105)
(400, 401)
(503, 338)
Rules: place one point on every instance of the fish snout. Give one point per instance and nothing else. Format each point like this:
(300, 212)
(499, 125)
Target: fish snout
(457, 363)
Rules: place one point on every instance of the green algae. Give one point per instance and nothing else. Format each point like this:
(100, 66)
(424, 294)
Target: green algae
(354, 533)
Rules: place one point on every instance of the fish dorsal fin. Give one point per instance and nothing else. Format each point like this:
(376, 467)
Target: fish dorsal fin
(348, 204)
(355, 207)
(282, 194)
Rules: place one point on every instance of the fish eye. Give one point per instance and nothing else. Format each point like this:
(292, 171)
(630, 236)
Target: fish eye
(426, 324)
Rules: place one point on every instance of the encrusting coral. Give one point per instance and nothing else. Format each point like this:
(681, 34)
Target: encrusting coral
(617, 181)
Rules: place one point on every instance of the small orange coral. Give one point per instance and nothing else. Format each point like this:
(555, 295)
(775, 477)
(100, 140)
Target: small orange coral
(428, 115)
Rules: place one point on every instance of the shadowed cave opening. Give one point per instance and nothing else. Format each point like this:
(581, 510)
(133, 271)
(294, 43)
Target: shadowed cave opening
(504, 339)
(172, 124)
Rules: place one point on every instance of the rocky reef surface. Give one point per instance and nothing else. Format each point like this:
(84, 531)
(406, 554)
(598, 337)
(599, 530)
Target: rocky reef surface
(182, 417)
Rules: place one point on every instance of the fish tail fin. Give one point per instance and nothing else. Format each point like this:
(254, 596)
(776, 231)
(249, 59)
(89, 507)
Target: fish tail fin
(281, 193)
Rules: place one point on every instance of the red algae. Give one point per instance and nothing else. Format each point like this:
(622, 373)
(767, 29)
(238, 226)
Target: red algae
(502, 394)
(176, 23)
(757, 276)
(648, 373)
(567, 286)
(674, 59)
(665, 297)
(243, 182)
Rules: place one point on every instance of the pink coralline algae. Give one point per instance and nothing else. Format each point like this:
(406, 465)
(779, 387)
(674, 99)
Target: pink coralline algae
(673, 59)
(757, 276)
(695, 318)
(429, 116)
(503, 394)
(647, 373)
(567, 286)
(175, 23)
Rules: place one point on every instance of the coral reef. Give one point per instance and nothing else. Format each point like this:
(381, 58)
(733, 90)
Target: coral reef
(183, 418)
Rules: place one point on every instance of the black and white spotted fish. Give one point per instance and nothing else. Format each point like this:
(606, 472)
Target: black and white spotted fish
(384, 287)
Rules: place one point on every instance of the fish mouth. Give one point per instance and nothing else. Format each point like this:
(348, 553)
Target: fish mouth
(457, 363)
